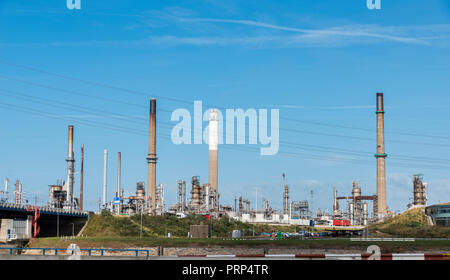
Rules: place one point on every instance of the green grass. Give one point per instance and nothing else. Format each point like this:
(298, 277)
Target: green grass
(158, 226)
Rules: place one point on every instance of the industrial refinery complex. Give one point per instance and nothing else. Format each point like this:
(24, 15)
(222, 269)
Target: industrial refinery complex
(349, 210)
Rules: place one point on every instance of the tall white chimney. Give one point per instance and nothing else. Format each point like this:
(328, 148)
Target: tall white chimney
(213, 146)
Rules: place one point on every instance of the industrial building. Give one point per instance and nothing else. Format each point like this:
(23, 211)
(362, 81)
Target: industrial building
(357, 207)
(439, 213)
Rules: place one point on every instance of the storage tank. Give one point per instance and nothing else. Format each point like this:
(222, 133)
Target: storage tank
(351, 209)
(365, 214)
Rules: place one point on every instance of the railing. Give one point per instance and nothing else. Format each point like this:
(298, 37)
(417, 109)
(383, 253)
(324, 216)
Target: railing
(89, 250)
(28, 207)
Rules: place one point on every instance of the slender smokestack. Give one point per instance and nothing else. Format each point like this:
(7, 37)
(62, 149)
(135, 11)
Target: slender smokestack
(81, 177)
(151, 157)
(105, 167)
(70, 170)
(335, 205)
(119, 161)
(213, 149)
(381, 160)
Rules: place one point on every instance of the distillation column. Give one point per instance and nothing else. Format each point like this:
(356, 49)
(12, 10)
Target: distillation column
(70, 171)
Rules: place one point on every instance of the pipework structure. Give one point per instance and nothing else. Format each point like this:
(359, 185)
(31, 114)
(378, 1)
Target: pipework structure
(196, 194)
(159, 197)
(57, 196)
(151, 158)
(299, 209)
(181, 204)
(18, 193)
(244, 206)
(267, 210)
(136, 203)
(357, 207)
(381, 211)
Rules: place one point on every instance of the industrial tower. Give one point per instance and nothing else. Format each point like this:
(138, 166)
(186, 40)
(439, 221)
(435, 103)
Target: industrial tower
(70, 171)
(381, 161)
(151, 158)
(213, 145)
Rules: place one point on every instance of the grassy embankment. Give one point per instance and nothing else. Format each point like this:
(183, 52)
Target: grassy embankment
(412, 223)
(106, 225)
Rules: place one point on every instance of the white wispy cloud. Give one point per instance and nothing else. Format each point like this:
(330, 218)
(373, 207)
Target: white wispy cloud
(350, 107)
(204, 32)
(370, 31)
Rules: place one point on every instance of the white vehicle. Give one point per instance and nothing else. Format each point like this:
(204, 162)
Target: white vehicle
(181, 215)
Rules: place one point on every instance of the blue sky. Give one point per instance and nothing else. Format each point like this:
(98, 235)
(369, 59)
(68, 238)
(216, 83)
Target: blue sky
(320, 62)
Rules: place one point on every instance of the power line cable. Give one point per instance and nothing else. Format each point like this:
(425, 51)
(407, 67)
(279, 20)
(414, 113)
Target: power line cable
(94, 83)
(282, 129)
(137, 132)
(121, 117)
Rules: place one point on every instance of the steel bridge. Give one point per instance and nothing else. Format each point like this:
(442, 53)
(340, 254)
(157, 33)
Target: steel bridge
(47, 221)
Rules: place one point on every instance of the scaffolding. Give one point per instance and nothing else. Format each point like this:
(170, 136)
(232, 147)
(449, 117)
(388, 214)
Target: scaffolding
(420, 190)
(300, 209)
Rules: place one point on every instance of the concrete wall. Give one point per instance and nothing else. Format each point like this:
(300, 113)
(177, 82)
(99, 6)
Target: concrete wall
(15, 229)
